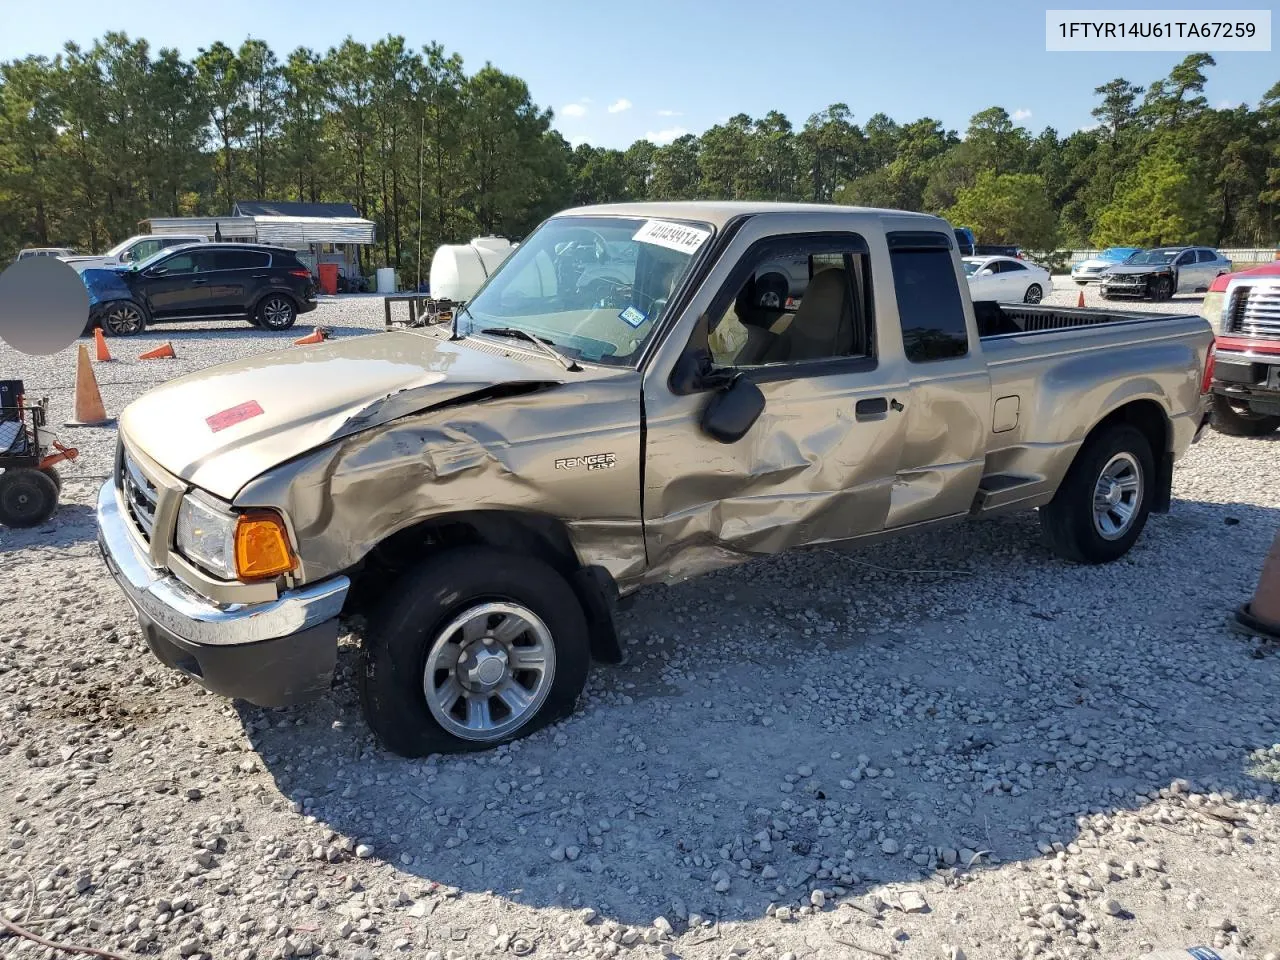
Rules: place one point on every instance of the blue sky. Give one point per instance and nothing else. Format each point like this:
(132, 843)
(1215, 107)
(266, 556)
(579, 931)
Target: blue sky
(614, 72)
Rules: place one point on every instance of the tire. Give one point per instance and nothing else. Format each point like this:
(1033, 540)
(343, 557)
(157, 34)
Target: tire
(276, 312)
(1241, 423)
(53, 474)
(1034, 294)
(27, 497)
(425, 611)
(771, 291)
(1071, 524)
(123, 318)
(1162, 289)
(1104, 295)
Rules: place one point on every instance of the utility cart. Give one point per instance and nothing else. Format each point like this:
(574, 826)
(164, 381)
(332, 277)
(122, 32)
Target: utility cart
(29, 482)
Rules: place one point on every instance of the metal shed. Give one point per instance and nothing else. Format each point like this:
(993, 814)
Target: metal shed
(319, 232)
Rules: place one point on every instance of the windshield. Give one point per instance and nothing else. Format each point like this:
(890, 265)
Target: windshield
(143, 264)
(971, 267)
(120, 247)
(1153, 256)
(593, 287)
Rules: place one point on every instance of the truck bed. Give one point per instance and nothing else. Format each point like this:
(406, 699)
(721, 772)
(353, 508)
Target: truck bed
(1011, 319)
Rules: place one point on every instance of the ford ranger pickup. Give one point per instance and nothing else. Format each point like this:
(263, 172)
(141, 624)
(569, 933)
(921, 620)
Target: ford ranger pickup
(619, 405)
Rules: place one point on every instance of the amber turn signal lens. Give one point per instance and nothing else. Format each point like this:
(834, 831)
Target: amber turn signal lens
(262, 547)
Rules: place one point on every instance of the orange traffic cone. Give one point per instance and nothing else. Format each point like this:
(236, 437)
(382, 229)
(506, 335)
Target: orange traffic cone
(318, 335)
(1080, 301)
(88, 410)
(100, 343)
(164, 352)
(1261, 617)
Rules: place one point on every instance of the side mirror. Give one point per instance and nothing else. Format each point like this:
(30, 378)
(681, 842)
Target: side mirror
(987, 273)
(732, 411)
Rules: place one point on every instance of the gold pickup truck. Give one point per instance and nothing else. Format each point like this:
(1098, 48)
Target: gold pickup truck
(622, 403)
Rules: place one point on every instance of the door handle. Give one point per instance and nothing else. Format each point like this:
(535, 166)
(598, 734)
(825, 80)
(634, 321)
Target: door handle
(198, 280)
(871, 408)
(261, 276)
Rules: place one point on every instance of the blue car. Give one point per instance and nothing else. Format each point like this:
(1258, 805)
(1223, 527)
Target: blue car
(1088, 271)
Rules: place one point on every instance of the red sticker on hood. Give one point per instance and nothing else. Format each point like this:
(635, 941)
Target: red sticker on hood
(236, 414)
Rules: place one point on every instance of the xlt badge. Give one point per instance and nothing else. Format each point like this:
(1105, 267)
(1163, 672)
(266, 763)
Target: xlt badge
(592, 461)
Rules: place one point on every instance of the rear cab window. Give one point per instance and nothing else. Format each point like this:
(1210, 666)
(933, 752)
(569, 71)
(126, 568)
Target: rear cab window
(930, 307)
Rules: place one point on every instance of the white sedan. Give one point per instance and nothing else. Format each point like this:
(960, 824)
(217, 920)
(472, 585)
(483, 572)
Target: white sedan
(1007, 280)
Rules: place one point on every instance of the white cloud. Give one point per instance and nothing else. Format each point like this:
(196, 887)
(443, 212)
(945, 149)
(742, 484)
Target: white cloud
(670, 113)
(620, 105)
(1020, 115)
(573, 110)
(663, 137)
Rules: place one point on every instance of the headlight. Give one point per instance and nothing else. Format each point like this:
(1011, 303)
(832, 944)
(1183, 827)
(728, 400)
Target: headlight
(244, 546)
(206, 536)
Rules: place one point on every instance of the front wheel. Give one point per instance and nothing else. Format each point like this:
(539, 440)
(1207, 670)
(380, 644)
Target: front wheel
(1105, 498)
(27, 497)
(122, 319)
(475, 648)
(1034, 294)
(1162, 289)
(276, 313)
(1240, 421)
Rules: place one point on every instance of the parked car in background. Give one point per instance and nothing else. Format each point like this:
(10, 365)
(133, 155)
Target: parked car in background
(484, 492)
(60, 252)
(135, 250)
(1007, 279)
(267, 286)
(965, 241)
(998, 250)
(1160, 273)
(1244, 310)
(1088, 271)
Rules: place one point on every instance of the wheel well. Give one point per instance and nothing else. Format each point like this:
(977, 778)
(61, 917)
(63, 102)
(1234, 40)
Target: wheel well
(1149, 417)
(530, 534)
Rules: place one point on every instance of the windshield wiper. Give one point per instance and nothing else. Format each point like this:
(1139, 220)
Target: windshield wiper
(542, 344)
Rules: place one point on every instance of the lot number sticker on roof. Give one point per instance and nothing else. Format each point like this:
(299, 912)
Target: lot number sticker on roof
(673, 236)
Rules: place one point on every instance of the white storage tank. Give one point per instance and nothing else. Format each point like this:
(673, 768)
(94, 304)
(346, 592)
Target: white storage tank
(459, 270)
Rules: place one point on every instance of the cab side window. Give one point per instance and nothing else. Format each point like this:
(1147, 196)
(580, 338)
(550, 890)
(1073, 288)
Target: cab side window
(929, 305)
(795, 300)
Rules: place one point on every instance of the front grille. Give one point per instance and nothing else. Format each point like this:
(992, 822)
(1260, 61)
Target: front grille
(140, 495)
(1255, 312)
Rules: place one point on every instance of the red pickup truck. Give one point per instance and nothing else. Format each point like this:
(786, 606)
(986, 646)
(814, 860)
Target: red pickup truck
(1244, 310)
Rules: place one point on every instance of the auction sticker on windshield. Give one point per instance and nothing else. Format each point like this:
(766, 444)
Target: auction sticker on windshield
(632, 317)
(673, 236)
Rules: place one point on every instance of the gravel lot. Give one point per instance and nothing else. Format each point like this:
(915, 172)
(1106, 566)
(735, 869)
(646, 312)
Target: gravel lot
(937, 747)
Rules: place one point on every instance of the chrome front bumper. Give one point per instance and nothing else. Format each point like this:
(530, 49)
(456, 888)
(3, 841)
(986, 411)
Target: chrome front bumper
(273, 653)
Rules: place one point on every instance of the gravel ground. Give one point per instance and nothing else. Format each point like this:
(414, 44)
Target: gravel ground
(941, 746)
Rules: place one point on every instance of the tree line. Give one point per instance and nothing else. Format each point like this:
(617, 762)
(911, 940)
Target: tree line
(93, 141)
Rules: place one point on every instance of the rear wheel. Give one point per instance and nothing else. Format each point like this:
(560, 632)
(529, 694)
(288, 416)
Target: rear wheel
(1034, 294)
(1237, 420)
(276, 312)
(475, 648)
(122, 319)
(1105, 498)
(27, 497)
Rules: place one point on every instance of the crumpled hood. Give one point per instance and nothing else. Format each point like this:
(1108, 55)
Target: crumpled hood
(223, 426)
(104, 284)
(1138, 269)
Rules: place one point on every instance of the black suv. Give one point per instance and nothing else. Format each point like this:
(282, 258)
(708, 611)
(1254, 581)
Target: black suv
(267, 286)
